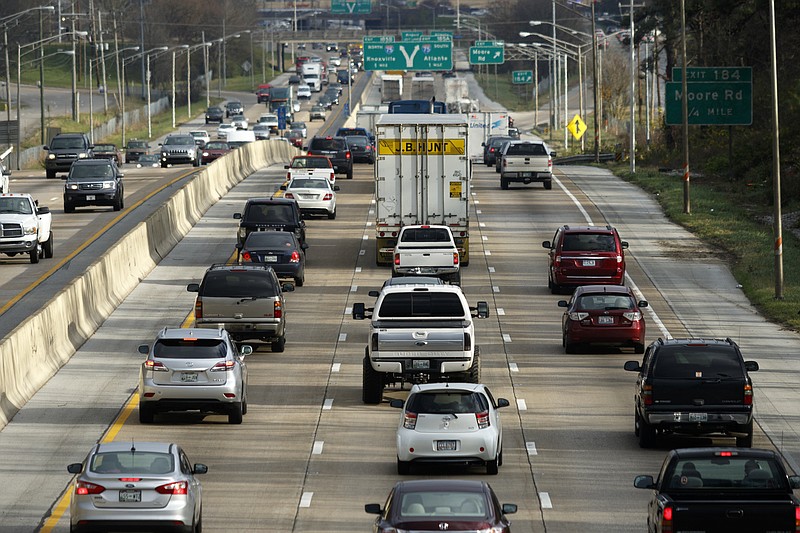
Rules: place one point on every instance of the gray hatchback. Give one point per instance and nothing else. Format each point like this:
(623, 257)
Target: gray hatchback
(193, 370)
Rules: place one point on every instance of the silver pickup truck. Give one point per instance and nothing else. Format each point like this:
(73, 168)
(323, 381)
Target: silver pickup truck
(427, 250)
(526, 162)
(419, 333)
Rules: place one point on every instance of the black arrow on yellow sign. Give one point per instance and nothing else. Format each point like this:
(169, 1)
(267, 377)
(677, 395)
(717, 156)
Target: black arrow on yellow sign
(577, 127)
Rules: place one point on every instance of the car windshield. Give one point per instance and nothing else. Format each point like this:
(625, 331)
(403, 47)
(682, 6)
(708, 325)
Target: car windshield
(190, 348)
(604, 302)
(238, 284)
(440, 402)
(271, 213)
(425, 235)
(61, 143)
(303, 183)
(526, 149)
(443, 504)
(216, 145)
(697, 361)
(150, 158)
(179, 140)
(588, 242)
(132, 462)
(15, 205)
(103, 147)
(137, 144)
(731, 473)
(80, 172)
(317, 108)
(421, 304)
(357, 140)
(328, 144)
(261, 239)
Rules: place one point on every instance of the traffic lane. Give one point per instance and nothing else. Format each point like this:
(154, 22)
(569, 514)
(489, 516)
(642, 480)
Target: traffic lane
(699, 288)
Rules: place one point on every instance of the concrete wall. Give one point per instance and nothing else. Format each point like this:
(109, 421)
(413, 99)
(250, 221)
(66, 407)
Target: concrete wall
(43, 343)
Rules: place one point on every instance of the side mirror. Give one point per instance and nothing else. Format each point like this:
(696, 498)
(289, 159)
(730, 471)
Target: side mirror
(144, 349)
(121, 175)
(563, 303)
(751, 366)
(304, 246)
(237, 216)
(509, 508)
(643, 303)
(632, 366)
(42, 210)
(45, 147)
(358, 311)
(546, 244)
(373, 508)
(794, 482)
(644, 482)
(245, 349)
(193, 287)
(335, 187)
(199, 468)
(287, 287)
(398, 404)
(374, 294)
(482, 310)
(285, 166)
(75, 468)
(502, 402)
(624, 245)
(553, 154)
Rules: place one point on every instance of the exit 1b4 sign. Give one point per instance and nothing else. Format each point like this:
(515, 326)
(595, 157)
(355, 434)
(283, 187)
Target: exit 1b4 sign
(522, 76)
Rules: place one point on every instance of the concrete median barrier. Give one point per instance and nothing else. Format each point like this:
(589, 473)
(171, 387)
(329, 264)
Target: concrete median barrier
(35, 350)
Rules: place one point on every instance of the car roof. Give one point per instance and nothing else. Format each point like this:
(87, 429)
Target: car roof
(584, 229)
(389, 289)
(124, 446)
(447, 386)
(271, 201)
(607, 289)
(439, 484)
(195, 333)
(89, 162)
(686, 453)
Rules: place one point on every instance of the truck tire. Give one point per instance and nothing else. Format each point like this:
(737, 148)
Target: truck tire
(371, 384)
(474, 374)
(647, 434)
(279, 345)
(747, 440)
(35, 253)
(47, 247)
(117, 204)
(146, 413)
(504, 184)
(69, 208)
(548, 184)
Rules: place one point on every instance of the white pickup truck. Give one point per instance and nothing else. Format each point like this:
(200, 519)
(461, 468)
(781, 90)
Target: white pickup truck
(419, 334)
(525, 162)
(25, 227)
(310, 166)
(427, 250)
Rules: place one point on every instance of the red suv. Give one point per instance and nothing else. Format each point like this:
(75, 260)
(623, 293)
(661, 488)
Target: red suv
(585, 255)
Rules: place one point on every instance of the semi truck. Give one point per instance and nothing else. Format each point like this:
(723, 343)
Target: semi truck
(422, 176)
(483, 125)
(456, 94)
(422, 88)
(391, 87)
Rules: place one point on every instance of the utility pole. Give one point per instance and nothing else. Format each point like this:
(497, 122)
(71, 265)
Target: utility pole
(595, 87)
(687, 205)
(102, 61)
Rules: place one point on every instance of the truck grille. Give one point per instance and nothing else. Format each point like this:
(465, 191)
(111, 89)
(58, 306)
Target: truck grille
(90, 186)
(10, 230)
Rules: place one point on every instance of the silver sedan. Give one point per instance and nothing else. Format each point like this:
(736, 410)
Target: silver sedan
(145, 485)
(313, 195)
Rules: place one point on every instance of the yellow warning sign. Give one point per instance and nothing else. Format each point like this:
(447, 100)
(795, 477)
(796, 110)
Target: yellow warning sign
(455, 189)
(412, 147)
(577, 127)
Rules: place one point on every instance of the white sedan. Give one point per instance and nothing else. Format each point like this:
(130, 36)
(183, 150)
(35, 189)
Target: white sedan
(224, 129)
(454, 423)
(304, 91)
(240, 122)
(313, 195)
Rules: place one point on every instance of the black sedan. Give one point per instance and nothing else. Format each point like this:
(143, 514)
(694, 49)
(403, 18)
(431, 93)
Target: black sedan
(278, 249)
(442, 505)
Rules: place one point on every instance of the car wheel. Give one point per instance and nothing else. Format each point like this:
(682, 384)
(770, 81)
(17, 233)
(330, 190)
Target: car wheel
(647, 434)
(504, 184)
(196, 162)
(492, 467)
(350, 173)
(403, 467)
(51, 174)
(279, 345)
(68, 208)
(164, 165)
(497, 169)
(47, 247)
(474, 374)
(146, 413)
(117, 204)
(300, 281)
(35, 254)
(332, 216)
(235, 414)
(548, 184)
(198, 527)
(747, 440)
(570, 347)
(500, 458)
(638, 348)
(244, 400)
(371, 383)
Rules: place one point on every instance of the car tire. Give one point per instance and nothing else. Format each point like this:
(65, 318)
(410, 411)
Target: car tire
(300, 281)
(51, 174)
(504, 184)
(164, 165)
(146, 413)
(492, 468)
(117, 204)
(34, 254)
(198, 527)
(196, 162)
(548, 184)
(235, 415)
(570, 347)
(279, 345)
(747, 440)
(47, 247)
(403, 467)
(638, 348)
(647, 434)
(350, 173)
(244, 400)
(332, 216)
(500, 458)
(69, 208)
(474, 373)
(371, 384)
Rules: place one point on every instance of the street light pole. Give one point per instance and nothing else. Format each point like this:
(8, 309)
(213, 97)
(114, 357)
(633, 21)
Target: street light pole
(149, 120)
(74, 77)
(597, 117)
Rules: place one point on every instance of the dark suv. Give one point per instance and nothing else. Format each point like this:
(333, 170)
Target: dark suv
(135, 149)
(335, 149)
(94, 182)
(233, 108)
(270, 214)
(64, 149)
(693, 387)
(585, 255)
(492, 147)
(246, 300)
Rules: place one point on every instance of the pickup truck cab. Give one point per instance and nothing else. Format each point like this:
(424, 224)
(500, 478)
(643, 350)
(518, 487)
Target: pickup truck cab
(419, 334)
(25, 227)
(310, 166)
(721, 490)
(427, 250)
(526, 162)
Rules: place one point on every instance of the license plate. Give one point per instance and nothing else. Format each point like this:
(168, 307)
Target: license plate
(90, 197)
(526, 174)
(188, 377)
(270, 258)
(605, 320)
(130, 496)
(420, 363)
(446, 445)
(588, 262)
(698, 417)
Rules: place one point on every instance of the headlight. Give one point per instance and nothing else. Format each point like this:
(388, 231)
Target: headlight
(108, 185)
(82, 155)
(72, 186)
(51, 156)
(30, 230)
(205, 154)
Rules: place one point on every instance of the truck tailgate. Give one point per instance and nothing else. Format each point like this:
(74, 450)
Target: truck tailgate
(421, 340)
(753, 516)
(701, 391)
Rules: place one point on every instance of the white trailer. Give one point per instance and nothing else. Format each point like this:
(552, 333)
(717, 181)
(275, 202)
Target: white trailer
(391, 87)
(481, 126)
(422, 176)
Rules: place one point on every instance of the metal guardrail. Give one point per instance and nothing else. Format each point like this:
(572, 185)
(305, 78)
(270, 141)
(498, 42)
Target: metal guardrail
(582, 158)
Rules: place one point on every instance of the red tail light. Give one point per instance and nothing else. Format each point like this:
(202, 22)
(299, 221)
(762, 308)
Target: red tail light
(198, 308)
(748, 395)
(178, 487)
(647, 394)
(328, 196)
(84, 487)
(278, 310)
(223, 366)
(130, 479)
(483, 419)
(455, 258)
(288, 195)
(333, 176)
(410, 420)
(288, 176)
(549, 163)
(246, 256)
(797, 518)
(155, 366)
(397, 259)
(347, 155)
(295, 258)
(666, 520)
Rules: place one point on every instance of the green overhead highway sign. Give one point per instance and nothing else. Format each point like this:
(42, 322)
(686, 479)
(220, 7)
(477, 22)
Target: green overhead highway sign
(713, 74)
(426, 54)
(486, 55)
(411, 36)
(442, 35)
(522, 76)
(379, 39)
(354, 7)
(489, 43)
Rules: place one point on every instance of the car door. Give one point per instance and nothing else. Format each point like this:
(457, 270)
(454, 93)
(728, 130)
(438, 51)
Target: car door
(195, 489)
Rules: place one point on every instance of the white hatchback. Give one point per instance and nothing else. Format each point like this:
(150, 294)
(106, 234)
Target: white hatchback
(313, 195)
(455, 423)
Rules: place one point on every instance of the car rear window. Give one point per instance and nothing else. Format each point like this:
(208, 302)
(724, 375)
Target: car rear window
(344, 132)
(190, 349)
(734, 472)
(421, 304)
(357, 140)
(702, 361)
(604, 302)
(447, 402)
(425, 235)
(272, 213)
(238, 284)
(136, 462)
(327, 144)
(526, 149)
(281, 239)
(588, 242)
(443, 504)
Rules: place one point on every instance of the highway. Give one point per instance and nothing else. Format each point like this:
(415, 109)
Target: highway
(309, 454)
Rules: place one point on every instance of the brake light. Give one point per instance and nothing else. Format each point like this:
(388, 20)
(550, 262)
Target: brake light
(288, 176)
(410, 420)
(467, 342)
(84, 487)
(328, 196)
(483, 419)
(333, 176)
(223, 366)
(397, 259)
(347, 155)
(633, 315)
(155, 366)
(455, 258)
(504, 162)
(198, 308)
(666, 520)
(130, 479)
(178, 487)
(277, 309)
(577, 317)
(288, 195)
(246, 256)
(549, 163)
(797, 518)
(748, 395)
(667, 513)
(557, 260)
(647, 394)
